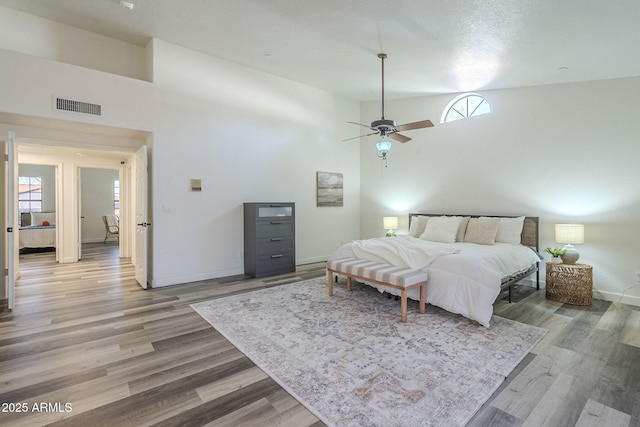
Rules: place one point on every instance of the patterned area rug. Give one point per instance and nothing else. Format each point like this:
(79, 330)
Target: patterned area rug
(350, 360)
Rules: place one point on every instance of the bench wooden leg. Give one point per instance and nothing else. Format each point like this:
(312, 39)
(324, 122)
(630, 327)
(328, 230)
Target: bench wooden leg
(403, 306)
(423, 297)
(403, 291)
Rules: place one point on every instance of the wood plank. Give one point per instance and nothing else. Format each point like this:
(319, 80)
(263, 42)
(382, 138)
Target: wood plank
(598, 415)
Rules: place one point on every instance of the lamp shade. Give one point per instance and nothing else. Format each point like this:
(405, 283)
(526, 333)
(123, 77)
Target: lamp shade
(383, 147)
(390, 222)
(570, 234)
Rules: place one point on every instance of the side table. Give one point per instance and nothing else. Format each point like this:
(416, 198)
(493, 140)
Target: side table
(570, 283)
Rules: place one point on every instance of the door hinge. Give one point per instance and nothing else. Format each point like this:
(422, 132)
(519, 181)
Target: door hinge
(6, 157)
(6, 271)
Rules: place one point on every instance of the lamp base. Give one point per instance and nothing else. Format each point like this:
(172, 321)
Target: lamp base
(570, 256)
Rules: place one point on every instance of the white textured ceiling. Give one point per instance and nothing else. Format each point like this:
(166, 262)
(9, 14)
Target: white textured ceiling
(434, 46)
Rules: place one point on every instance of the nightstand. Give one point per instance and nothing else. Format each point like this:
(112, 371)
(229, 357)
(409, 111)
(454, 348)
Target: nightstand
(570, 283)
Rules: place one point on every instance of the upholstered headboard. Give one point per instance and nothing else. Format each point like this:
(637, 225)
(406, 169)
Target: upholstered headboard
(530, 229)
(37, 218)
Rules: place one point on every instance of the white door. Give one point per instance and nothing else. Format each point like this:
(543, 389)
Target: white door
(9, 259)
(4, 216)
(79, 210)
(140, 254)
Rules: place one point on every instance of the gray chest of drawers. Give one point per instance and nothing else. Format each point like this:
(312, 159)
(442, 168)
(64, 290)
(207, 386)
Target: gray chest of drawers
(269, 239)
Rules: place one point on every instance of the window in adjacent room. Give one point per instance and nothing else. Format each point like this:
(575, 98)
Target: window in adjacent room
(465, 106)
(30, 194)
(116, 197)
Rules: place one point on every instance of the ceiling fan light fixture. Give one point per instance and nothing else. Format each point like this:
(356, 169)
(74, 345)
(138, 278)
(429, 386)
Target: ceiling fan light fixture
(383, 147)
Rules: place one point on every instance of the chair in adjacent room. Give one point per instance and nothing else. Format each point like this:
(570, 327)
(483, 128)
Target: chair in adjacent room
(112, 227)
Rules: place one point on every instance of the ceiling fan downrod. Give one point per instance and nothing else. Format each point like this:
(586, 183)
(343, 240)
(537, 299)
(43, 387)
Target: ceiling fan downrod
(382, 56)
(384, 126)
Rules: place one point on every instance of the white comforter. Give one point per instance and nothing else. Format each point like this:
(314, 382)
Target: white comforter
(463, 278)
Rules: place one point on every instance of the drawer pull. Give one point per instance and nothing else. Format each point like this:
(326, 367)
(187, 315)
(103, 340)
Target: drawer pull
(276, 256)
(275, 222)
(276, 239)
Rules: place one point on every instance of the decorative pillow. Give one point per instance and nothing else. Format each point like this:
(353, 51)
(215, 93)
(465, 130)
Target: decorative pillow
(442, 229)
(462, 228)
(510, 230)
(482, 230)
(37, 218)
(417, 226)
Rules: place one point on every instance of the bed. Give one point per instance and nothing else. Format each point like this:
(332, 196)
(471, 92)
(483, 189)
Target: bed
(38, 231)
(469, 259)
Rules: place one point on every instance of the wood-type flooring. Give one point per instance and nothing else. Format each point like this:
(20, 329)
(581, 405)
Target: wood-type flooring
(86, 346)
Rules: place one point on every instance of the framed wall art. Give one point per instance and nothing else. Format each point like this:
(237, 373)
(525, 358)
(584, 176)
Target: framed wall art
(329, 191)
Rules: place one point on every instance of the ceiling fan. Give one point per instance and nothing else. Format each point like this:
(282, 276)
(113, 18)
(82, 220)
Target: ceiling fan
(387, 128)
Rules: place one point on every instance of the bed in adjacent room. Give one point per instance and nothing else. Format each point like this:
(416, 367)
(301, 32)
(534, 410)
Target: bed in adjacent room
(469, 259)
(38, 231)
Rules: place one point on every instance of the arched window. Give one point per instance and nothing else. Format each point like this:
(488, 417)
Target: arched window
(465, 106)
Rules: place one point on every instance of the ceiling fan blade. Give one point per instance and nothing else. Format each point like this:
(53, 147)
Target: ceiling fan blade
(360, 124)
(361, 136)
(414, 125)
(400, 138)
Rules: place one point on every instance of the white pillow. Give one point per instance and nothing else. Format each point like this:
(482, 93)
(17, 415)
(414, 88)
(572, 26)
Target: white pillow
(482, 230)
(464, 221)
(417, 226)
(442, 229)
(510, 230)
(37, 218)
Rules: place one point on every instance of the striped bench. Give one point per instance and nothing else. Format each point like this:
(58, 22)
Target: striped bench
(401, 278)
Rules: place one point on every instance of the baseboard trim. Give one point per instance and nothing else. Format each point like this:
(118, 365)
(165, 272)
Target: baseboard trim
(617, 297)
(313, 260)
(181, 280)
(530, 283)
(598, 294)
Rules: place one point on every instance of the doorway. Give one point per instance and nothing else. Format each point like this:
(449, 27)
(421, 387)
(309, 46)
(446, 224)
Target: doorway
(101, 169)
(99, 197)
(36, 208)
(68, 146)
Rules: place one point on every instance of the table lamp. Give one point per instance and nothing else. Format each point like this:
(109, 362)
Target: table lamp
(570, 234)
(390, 223)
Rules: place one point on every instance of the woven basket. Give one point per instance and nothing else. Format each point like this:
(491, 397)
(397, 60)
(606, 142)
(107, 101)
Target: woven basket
(570, 283)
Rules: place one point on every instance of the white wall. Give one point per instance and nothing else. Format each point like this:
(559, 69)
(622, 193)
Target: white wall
(97, 200)
(565, 153)
(21, 32)
(247, 135)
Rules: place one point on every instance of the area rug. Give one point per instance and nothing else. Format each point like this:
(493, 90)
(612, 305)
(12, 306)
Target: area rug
(351, 362)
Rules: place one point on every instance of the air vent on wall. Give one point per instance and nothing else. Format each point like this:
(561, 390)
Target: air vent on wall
(61, 104)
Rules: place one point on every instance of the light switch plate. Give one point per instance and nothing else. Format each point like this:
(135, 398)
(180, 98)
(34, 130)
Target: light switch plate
(196, 184)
